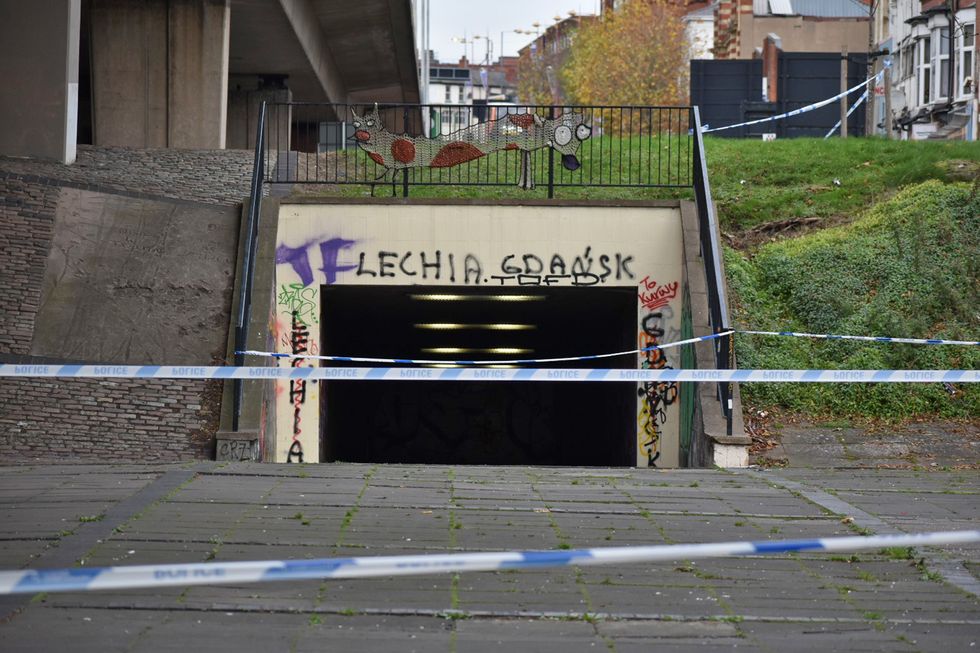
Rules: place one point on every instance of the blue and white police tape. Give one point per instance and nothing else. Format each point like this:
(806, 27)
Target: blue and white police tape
(220, 573)
(516, 361)
(488, 374)
(831, 336)
(801, 110)
(860, 101)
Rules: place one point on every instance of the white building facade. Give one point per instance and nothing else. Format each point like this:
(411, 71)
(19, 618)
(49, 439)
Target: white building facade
(934, 69)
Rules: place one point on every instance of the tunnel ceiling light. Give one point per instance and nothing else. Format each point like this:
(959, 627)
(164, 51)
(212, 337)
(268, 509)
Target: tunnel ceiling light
(503, 367)
(439, 297)
(477, 350)
(443, 365)
(455, 326)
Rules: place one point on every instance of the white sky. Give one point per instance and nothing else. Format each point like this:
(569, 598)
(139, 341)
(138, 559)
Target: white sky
(449, 18)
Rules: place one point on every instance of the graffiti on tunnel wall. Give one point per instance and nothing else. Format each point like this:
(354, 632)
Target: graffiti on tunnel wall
(588, 267)
(299, 344)
(473, 246)
(655, 398)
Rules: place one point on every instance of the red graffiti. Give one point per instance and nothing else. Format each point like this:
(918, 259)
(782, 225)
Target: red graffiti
(653, 296)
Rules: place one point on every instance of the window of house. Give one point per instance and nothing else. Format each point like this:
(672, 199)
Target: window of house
(923, 77)
(967, 49)
(449, 94)
(940, 62)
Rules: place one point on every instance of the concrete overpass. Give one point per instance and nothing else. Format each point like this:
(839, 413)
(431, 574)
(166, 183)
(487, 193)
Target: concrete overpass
(188, 73)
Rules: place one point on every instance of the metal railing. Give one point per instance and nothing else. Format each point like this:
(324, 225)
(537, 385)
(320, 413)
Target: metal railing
(627, 147)
(636, 147)
(248, 267)
(713, 268)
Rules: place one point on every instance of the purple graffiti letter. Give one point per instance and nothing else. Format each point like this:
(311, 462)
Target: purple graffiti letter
(329, 249)
(296, 257)
(300, 259)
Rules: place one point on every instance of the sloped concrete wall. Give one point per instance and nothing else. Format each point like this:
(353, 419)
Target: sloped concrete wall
(96, 265)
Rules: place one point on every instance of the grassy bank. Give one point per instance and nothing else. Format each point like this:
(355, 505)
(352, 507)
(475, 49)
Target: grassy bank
(833, 180)
(907, 268)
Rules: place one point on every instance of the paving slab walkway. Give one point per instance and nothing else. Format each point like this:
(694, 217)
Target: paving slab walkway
(100, 515)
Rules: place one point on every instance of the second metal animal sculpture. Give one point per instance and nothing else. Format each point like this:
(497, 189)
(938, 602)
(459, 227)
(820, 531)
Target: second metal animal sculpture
(524, 132)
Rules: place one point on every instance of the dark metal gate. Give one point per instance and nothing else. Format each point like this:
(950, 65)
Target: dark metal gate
(729, 92)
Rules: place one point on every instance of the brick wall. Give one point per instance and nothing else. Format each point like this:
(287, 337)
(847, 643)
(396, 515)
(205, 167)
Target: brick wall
(728, 17)
(119, 420)
(26, 221)
(93, 419)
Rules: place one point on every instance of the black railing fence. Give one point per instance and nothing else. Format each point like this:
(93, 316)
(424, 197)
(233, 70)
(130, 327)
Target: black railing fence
(713, 269)
(611, 146)
(450, 145)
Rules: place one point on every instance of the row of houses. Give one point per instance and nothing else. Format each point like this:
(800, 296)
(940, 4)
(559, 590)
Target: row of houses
(925, 50)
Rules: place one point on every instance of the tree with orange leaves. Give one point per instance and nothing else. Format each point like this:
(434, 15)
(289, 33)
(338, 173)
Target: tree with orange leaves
(636, 55)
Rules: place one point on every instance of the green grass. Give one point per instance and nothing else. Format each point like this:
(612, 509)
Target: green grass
(752, 182)
(906, 268)
(794, 178)
(898, 552)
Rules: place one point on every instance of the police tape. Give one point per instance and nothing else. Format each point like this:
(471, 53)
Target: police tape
(831, 336)
(860, 101)
(515, 361)
(488, 374)
(219, 573)
(801, 110)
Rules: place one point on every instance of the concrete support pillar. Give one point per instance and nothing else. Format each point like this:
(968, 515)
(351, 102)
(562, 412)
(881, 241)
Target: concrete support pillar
(39, 68)
(246, 94)
(160, 72)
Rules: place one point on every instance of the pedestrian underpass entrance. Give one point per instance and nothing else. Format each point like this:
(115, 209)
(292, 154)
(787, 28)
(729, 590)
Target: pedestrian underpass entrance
(298, 245)
(479, 422)
(477, 280)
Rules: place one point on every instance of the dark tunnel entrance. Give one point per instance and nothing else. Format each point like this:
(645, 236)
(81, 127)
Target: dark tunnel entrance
(509, 423)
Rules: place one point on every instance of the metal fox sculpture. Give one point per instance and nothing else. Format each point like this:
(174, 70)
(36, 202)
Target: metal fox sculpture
(525, 132)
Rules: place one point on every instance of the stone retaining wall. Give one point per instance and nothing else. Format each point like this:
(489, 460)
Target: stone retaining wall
(93, 419)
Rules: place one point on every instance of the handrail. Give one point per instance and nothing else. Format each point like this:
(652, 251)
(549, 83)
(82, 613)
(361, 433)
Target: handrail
(710, 253)
(245, 279)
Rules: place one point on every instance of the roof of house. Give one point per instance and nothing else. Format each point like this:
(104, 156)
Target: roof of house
(706, 12)
(827, 8)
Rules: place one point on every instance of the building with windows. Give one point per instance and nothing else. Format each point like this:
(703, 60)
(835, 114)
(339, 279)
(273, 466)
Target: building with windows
(933, 46)
(463, 93)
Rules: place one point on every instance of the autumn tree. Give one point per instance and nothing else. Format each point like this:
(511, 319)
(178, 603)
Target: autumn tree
(636, 55)
(539, 76)
(532, 79)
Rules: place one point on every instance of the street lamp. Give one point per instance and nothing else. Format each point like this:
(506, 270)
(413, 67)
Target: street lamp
(464, 41)
(507, 31)
(489, 55)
